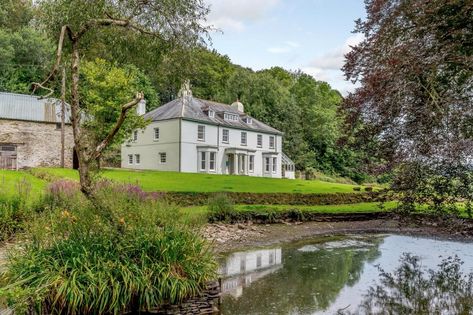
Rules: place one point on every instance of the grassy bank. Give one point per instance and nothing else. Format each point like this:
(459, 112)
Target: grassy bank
(201, 213)
(189, 182)
(13, 181)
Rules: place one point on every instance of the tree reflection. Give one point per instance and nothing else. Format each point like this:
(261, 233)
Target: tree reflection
(411, 290)
(307, 282)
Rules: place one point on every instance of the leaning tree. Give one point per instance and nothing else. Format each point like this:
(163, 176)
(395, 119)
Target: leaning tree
(415, 100)
(85, 27)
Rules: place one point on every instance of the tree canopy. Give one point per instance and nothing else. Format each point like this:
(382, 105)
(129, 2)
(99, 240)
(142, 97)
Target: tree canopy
(415, 67)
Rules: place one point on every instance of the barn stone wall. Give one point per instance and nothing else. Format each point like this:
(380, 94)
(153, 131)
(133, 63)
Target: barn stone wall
(38, 144)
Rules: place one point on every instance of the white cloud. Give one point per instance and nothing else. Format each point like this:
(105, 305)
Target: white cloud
(327, 67)
(233, 15)
(333, 60)
(286, 47)
(292, 44)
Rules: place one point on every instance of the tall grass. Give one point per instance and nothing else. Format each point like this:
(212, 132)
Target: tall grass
(123, 251)
(14, 208)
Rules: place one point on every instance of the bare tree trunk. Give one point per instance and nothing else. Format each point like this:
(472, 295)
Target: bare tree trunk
(63, 114)
(84, 167)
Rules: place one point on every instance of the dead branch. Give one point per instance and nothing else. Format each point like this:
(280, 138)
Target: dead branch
(125, 108)
(39, 85)
(60, 45)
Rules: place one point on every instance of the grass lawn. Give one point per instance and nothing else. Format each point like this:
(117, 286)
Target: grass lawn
(189, 182)
(11, 181)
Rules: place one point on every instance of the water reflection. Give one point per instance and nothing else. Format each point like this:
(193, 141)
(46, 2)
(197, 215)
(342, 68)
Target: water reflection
(325, 275)
(299, 279)
(243, 268)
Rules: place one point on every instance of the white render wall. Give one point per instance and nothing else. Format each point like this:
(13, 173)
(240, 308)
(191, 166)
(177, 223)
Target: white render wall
(213, 142)
(189, 147)
(149, 149)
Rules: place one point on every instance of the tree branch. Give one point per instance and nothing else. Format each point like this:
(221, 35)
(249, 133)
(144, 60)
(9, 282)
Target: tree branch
(39, 85)
(60, 45)
(105, 142)
(112, 22)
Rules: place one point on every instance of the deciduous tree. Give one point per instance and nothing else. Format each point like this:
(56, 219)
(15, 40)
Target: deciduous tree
(80, 25)
(415, 67)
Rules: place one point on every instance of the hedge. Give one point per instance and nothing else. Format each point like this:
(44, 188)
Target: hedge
(201, 198)
(294, 216)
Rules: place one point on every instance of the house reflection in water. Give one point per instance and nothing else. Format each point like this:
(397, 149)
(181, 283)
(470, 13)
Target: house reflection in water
(242, 268)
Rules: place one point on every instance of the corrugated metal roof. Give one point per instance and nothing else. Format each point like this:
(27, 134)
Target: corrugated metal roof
(31, 108)
(193, 108)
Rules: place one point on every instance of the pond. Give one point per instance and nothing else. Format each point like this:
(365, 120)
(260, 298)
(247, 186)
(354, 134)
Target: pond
(325, 275)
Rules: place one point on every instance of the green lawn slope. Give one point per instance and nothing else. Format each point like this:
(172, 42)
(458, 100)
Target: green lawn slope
(189, 182)
(13, 181)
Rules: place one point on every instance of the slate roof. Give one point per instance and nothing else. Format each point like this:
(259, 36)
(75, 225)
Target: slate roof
(192, 108)
(31, 108)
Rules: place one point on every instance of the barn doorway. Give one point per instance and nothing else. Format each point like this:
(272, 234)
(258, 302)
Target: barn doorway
(75, 160)
(8, 157)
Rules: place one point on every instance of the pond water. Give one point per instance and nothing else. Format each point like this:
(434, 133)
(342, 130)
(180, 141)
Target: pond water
(323, 275)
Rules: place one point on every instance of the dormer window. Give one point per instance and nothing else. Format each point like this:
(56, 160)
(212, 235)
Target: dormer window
(230, 117)
(248, 120)
(211, 113)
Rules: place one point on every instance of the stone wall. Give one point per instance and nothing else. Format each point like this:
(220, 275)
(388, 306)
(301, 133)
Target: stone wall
(38, 144)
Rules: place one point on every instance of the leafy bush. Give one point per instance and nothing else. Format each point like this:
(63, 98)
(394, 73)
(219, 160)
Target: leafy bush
(221, 208)
(121, 252)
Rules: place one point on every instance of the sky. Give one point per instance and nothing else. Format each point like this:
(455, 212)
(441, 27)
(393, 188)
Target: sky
(310, 35)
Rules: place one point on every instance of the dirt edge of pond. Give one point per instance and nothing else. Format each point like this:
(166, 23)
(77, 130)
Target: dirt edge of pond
(231, 237)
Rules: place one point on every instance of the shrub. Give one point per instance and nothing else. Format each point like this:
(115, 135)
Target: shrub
(116, 254)
(221, 208)
(369, 188)
(357, 188)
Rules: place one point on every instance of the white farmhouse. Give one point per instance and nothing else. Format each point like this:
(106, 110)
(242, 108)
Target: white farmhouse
(197, 136)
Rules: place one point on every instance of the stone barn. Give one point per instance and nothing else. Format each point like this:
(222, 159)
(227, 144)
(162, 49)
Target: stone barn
(30, 132)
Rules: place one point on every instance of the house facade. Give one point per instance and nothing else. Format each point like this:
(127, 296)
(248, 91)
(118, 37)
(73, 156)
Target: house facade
(30, 132)
(198, 136)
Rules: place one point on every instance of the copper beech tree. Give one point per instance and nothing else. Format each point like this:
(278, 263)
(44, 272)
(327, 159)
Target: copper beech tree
(89, 26)
(415, 69)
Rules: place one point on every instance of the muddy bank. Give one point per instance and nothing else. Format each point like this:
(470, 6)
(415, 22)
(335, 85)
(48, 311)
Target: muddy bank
(229, 237)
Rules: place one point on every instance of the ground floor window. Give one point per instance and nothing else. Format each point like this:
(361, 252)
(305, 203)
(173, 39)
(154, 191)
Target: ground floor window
(275, 163)
(162, 157)
(212, 161)
(267, 162)
(137, 159)
(130, 159)
(251, 163)
(203, 161)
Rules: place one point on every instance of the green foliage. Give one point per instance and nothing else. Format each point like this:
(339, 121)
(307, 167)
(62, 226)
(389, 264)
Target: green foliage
(15, 14)
(25, 56)
(220, 208)
(122, 252)
(443, 189)
(105, 89)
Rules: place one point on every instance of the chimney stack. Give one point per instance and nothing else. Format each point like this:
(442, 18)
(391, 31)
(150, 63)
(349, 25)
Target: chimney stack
(141, 108)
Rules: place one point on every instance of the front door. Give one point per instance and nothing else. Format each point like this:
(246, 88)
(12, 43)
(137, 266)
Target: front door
(231, 164)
